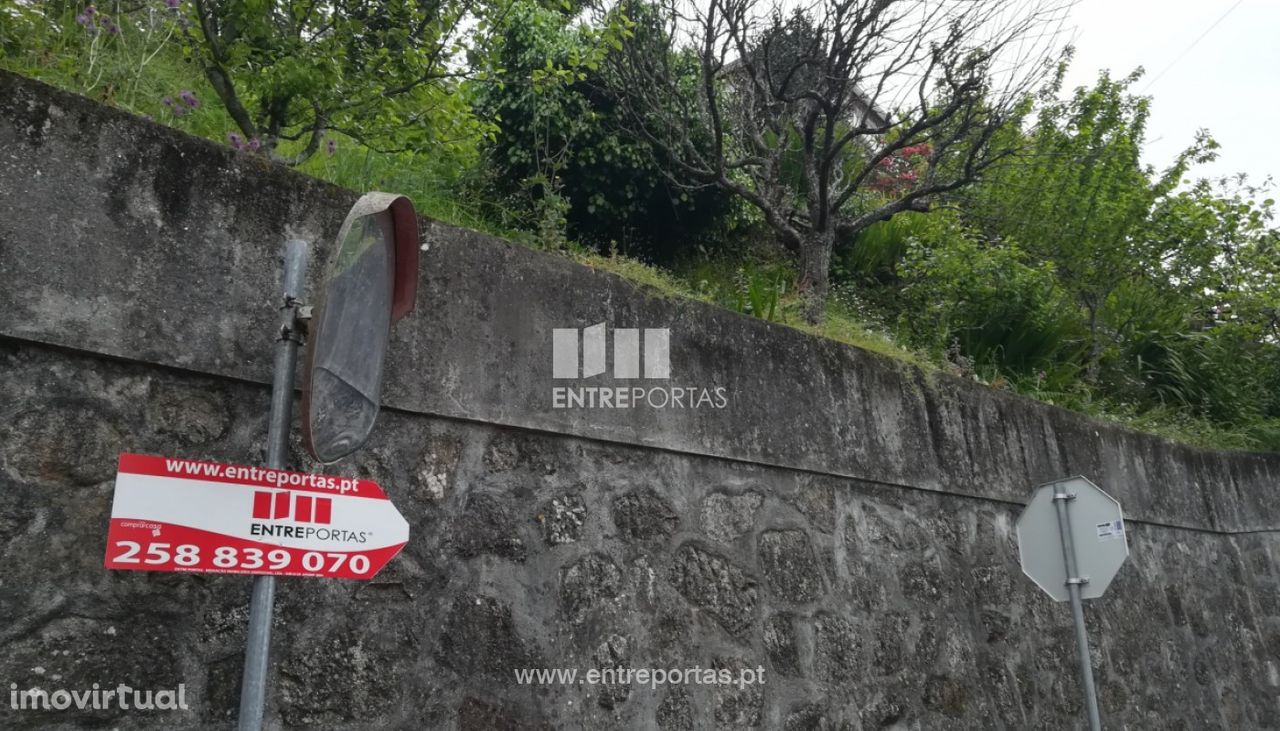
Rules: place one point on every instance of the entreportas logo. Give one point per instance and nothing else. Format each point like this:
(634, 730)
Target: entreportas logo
(626, 352)
(582, 354)
(306, 509)
(303, 516)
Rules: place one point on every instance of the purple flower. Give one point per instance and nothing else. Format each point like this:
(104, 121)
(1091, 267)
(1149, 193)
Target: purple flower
(254, 144)
(108, 25)
(177, 109)
(330, 145)
(189, 98)
(86, 18)
(235, 140)
(172, 4)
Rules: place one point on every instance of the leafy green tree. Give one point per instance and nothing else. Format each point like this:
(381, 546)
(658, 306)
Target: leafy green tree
(1222, 359)
(1175, 283)
(379, 71)
(1079, 196)
(558, 148)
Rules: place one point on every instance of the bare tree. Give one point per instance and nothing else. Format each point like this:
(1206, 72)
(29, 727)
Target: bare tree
(835, 115)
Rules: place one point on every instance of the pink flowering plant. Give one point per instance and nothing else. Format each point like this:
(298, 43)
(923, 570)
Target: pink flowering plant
(900, 171)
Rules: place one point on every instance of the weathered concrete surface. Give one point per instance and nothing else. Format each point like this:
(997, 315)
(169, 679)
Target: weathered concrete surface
(844, 521)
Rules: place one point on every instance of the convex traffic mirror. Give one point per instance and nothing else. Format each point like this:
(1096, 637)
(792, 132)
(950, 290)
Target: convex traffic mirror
(371, 282)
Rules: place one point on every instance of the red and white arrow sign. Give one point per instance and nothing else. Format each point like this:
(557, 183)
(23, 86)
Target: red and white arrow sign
(186, 515)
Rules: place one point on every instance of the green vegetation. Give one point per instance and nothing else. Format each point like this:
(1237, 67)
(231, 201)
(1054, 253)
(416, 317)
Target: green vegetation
(559, 160)
(1061, 267)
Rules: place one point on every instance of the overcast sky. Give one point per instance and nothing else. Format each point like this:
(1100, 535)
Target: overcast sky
(1229, 82)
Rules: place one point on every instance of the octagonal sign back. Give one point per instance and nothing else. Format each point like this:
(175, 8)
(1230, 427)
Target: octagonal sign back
(1097, 530)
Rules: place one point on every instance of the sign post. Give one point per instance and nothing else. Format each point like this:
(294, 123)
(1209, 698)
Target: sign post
(1060, 500)
(1071, 541)
(253, 689)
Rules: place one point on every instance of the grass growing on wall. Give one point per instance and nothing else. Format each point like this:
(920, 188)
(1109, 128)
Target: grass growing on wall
(141, 68)
(432, 190)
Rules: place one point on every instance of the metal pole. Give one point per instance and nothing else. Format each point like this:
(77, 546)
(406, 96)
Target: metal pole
(1074, 581)
(253, 688)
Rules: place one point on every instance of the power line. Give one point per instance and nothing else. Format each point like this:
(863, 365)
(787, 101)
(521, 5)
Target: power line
(1187, 50)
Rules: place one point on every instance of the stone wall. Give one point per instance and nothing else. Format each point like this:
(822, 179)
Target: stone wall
(845, 522)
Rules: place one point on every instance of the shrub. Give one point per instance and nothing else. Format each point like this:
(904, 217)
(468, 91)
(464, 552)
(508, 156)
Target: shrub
(557, 137)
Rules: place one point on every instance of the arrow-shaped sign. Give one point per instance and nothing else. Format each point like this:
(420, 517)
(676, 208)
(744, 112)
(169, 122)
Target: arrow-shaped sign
(185, 515)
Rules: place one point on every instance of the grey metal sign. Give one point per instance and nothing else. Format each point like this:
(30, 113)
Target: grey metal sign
(1097, 533)
(1071, 539)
